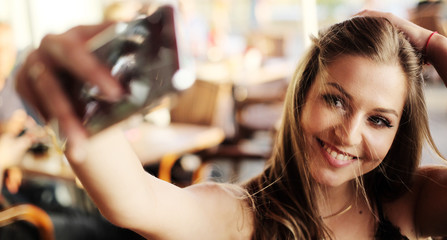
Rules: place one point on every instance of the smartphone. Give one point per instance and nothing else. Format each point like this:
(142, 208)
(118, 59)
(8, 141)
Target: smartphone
(145, 57)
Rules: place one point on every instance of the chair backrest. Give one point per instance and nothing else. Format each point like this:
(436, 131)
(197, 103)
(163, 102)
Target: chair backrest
(428, 14)
(206, 103)
(31, 214)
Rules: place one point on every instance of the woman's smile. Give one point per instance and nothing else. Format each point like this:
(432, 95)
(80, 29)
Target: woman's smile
(334, 156)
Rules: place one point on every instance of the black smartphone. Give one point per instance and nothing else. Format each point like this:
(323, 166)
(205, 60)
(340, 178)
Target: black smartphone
(145, 56)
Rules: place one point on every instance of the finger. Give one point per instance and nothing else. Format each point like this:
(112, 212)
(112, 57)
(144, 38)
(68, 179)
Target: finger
(361, 13)
(56, 104)
(416, 34)
(365, 12)
(59, 107)
(372, 13)
(69, 51)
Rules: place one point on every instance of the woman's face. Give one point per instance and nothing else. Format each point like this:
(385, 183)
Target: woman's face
(350, 118)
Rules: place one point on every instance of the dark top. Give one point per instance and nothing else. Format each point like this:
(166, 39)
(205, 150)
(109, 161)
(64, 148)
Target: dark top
(386, 229)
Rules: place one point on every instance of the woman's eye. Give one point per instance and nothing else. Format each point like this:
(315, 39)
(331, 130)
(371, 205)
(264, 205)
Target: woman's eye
(334, 101)
(380, 121)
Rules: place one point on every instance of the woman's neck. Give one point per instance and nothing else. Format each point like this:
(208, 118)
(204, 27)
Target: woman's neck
(335, 200)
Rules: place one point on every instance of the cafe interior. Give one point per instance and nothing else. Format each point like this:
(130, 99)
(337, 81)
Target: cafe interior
(219, 127)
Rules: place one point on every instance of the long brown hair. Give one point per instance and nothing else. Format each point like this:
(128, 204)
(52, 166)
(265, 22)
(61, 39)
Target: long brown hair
(283, 196)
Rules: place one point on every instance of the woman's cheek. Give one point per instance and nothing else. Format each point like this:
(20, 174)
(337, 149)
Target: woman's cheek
(324, 118)
(379, 144)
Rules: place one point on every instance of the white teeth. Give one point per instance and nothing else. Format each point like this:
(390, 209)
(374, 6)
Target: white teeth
(337, 155)
(334, 154)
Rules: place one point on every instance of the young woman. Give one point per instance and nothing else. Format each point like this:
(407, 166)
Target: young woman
(345, 164)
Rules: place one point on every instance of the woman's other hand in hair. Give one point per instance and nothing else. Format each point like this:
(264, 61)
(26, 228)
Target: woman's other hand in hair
(417, 35)
(432, 46)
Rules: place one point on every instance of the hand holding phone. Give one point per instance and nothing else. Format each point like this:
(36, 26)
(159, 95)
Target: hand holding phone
(144, 57)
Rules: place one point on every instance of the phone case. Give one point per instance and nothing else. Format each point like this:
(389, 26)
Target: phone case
(144, 56)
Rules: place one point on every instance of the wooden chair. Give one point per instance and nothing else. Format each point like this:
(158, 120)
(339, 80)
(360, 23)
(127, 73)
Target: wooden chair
(32, 214)
(199, 111)
(207, 104)
(428, 14)
(218, 104)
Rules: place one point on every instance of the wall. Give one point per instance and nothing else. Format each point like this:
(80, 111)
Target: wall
(32, 19)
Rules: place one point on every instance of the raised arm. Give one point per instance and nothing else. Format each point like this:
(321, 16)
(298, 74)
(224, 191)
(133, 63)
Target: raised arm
(436, 53)
(432, 45)
(105, 163)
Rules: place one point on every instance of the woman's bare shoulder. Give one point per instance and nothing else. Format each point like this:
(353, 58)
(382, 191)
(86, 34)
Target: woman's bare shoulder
(224, 195)
(223, 189)
(420, 205)
(231, 203)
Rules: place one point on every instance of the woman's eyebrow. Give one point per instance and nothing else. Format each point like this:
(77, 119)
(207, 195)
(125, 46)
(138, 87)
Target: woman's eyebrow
(340, 89)
(386, 110)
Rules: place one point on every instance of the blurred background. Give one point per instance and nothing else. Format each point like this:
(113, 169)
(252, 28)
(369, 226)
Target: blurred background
(222, 128)
(32, 19)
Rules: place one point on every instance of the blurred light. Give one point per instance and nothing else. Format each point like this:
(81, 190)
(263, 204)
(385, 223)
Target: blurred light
(183, 79)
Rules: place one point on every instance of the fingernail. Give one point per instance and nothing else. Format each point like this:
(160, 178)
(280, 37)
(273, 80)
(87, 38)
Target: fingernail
(56, 49)
(114, 93)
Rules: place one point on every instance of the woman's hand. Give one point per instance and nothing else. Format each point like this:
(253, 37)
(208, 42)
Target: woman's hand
(417, 35)
(38, 83)
(432, 46)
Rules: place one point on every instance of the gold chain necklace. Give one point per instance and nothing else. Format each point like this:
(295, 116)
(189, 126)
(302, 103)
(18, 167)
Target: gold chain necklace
(342, 211)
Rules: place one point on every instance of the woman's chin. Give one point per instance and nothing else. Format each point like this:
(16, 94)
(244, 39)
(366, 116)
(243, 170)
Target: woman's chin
(328, 178)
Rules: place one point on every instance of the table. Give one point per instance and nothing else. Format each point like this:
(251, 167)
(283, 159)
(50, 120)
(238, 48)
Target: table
(152, 144)
(165, 144)
(52, 164)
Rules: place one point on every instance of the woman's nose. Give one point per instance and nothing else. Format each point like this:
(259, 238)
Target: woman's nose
(349, 132)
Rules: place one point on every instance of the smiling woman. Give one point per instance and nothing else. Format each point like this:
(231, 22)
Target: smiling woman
(351, 138)
(346, 158)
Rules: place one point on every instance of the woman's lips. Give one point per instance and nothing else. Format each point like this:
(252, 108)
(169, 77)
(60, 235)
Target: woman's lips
(335, 157)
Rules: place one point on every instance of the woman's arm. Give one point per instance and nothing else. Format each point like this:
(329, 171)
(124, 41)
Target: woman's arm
(105, 163)
(131, 198)
(128, 196)
(434, 48)
(436, 53)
